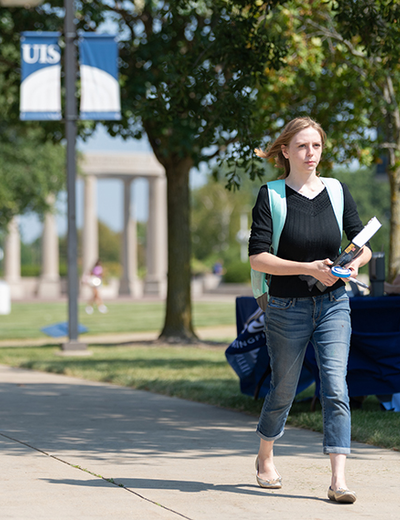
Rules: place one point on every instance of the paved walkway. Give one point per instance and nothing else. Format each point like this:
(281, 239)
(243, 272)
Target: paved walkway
(72, 449)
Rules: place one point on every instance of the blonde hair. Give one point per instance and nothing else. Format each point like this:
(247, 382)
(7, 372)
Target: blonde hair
(290, 130)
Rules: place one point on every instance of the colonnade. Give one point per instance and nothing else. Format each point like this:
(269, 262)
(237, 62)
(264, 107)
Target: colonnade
(126, 167)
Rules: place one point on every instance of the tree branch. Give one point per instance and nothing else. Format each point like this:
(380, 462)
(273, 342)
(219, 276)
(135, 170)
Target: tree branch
(332, 34)
(221, 148)
(393, 101)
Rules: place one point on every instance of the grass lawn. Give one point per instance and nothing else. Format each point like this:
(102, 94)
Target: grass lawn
(26, 319)
(198, 373)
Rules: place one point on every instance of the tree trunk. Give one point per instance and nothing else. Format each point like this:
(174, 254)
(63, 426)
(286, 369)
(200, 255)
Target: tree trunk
(178, 326)
(394, 254)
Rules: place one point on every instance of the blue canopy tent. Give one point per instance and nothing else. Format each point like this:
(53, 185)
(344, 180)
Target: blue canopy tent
(248, 354)
(374, 361)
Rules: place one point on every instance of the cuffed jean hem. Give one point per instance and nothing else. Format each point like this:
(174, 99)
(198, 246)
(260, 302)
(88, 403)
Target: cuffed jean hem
(269, 439)
(336, 449)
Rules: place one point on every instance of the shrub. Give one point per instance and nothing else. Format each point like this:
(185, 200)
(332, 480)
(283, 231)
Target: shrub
(30, 270)
(237, 272)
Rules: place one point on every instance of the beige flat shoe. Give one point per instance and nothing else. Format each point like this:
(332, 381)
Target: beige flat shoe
(345, 496)
(275, 483)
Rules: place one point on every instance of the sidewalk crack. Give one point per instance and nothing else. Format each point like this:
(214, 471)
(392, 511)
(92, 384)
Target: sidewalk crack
(110, 480)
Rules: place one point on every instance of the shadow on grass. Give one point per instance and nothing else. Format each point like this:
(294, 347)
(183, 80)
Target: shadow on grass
(175, 364)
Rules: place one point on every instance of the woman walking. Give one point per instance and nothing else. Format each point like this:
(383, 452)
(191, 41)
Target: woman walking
(298, 311)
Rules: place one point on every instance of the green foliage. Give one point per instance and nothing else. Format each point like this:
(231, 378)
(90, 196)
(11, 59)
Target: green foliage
(369, 424)
(188, 73)
(31, 255)
(190, 77)
(109, 248)
(46, 17)
(376, 22)
(237, 272)
(30, 171)
(320, 80)
(342, 72)
(198, 267)
(32, 164)
(31, 270)
(111, 269)
(372, 196)
(63, 269)
(215, 209)
(215, 218)
(109, 244)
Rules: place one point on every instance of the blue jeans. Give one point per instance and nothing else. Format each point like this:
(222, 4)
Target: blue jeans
(291, 323)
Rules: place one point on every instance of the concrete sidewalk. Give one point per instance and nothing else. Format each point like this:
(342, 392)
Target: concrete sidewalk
(71, 449)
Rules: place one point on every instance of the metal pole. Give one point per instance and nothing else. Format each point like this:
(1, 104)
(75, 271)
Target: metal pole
(70, 133)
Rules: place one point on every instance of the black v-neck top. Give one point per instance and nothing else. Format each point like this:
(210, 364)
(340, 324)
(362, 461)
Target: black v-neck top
(311, 232)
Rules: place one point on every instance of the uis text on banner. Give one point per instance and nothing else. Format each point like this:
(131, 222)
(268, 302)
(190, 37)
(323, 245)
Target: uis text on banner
(40, 97)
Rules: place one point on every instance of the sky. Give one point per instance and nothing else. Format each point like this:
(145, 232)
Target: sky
(109, 191)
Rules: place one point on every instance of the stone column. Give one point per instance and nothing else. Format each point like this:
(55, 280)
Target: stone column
(156, 243)
(49, 282)
(129, 283)
(12, 261)
(90, 234)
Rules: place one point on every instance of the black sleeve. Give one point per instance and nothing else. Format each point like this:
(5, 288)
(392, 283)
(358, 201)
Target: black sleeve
(261, 228)
(352, 224)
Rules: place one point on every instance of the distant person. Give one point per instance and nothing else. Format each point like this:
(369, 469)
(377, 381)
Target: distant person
(95, 280)
(297, 311)
(218, 268)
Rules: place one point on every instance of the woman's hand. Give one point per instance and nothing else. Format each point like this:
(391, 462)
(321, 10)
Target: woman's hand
(361, 259)
(354, 270)
(321, 270)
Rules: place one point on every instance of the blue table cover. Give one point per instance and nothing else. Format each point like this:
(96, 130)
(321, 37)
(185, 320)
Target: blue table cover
(374, 361)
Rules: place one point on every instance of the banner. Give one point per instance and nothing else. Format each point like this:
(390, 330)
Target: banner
(100, 95)
(40, 95)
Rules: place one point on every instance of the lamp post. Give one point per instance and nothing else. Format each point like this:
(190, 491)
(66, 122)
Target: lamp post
(70, 133)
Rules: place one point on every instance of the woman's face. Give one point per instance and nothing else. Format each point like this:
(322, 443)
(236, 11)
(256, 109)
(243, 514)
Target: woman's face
(304, 151)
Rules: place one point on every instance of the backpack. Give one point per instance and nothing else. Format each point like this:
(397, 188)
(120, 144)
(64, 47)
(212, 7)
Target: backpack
(277, 204)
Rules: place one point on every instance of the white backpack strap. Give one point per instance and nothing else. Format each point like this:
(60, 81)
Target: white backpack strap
(335, 192)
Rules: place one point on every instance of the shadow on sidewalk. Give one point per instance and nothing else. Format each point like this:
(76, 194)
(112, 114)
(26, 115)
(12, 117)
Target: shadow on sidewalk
(189, 486)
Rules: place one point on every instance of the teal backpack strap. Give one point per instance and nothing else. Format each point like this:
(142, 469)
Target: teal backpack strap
(277, 204)
(335, 192)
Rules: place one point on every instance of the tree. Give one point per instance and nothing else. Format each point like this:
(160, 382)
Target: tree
(376, 68)
(189, 72)
(31, 165)
(188, 75)
(377, 30)
(30, 171)
(350, 87)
